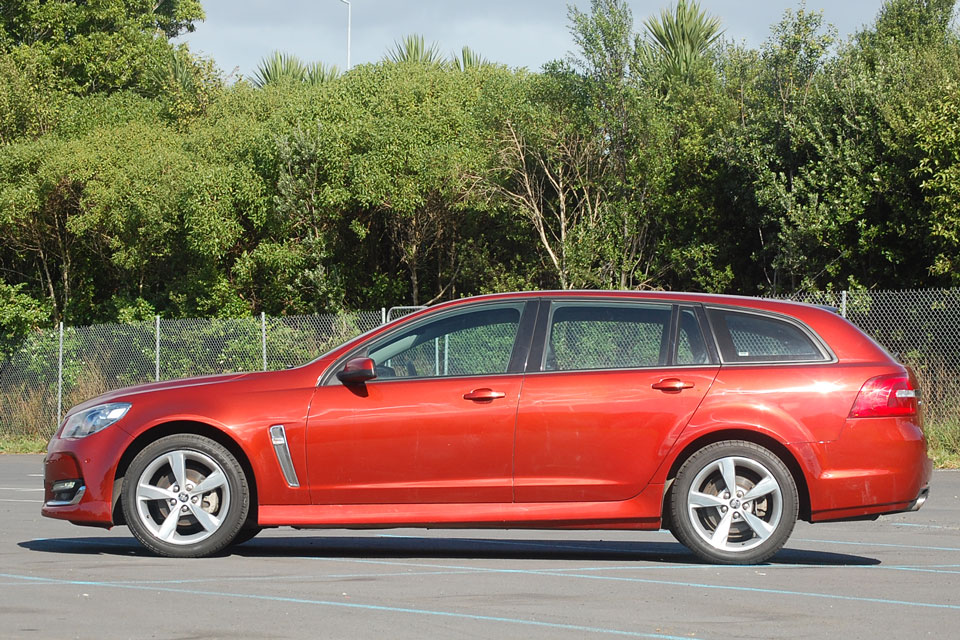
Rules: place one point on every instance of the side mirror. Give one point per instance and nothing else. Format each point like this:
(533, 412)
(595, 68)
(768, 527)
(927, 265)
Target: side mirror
(358, 370)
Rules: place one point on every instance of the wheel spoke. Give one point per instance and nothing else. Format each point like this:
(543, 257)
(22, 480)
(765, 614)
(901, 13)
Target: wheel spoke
(178, 465)
(169, 528)
(762, 488)
(207, 520)
(152, 492)
(719, 537)
(213, 481)
(728, 469)
(761, 528)
(700, 500)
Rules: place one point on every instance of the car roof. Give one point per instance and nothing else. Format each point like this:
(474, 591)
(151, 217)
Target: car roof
(767, 304)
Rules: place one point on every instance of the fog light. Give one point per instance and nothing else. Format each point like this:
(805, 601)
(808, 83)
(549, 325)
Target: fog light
(64, 485)
(65, 492)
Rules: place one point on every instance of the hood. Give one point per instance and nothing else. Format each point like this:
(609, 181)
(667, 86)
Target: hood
(129, 392)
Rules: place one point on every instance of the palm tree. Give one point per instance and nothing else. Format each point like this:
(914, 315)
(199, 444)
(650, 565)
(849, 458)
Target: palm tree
(413, 49)
(469, 59)
(284, 67)
(318, 73)
(678, 39)
(279, 67)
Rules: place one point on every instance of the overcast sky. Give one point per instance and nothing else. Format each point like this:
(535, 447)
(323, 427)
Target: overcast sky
(519, 33)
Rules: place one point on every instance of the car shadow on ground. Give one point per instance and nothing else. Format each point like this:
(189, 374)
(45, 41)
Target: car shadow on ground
(395, 546)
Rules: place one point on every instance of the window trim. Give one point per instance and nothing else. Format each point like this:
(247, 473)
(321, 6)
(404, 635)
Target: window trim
(518, 354)
(827, 356)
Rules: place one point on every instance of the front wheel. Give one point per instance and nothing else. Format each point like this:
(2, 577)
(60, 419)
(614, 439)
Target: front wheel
(185, 496)
(733, 502)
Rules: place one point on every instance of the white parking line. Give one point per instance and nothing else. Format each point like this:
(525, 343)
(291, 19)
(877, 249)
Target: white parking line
(13, 500)
(21, 488)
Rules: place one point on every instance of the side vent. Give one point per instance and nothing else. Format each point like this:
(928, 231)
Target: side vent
(278, 437)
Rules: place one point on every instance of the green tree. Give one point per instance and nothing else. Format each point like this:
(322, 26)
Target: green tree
(96, 46)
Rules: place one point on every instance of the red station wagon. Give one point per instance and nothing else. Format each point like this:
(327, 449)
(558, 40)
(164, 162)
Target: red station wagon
(721, 418)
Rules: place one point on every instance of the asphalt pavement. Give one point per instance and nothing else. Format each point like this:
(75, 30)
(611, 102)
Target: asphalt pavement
(894, 578)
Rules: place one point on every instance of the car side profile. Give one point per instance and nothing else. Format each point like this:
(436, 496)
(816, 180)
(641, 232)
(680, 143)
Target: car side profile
(722, 418)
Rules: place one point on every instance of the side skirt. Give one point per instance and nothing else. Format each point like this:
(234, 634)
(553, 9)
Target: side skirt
(640, 512)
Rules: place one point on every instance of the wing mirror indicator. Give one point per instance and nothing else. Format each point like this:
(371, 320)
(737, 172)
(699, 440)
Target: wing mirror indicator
(358, 370)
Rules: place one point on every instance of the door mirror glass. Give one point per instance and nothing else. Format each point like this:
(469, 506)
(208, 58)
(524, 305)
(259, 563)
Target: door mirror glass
(357, 370)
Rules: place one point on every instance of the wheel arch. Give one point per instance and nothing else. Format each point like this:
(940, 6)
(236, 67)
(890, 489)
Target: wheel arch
(173, 428)
(772, 444)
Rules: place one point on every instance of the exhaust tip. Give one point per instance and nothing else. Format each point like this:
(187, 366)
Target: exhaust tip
(922, 498)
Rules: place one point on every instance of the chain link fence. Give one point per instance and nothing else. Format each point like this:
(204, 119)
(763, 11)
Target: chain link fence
(55, 370)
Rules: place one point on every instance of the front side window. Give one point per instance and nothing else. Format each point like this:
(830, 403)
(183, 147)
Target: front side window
(606, 336)
(464, 343)
(749, 337)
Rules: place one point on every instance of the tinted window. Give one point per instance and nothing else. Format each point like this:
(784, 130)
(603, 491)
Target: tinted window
(691, 348)
(467, 343)
(747, 337)
(598, 336)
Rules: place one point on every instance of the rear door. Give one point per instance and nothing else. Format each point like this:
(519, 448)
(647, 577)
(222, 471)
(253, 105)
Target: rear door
(606, 396)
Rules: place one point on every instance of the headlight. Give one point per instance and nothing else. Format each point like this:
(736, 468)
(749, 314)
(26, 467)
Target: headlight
(82, 424)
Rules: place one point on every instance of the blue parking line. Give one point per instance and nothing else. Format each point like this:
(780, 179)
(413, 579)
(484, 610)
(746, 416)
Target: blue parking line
(297, 578)
(669, 583)
(917, 569)
(863, 543)
(351, 605)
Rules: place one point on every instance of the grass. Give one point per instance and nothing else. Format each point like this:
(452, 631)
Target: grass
(22, 444)
(943, 438)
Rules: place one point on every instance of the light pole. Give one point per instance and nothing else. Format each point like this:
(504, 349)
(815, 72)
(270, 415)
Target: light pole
(349, 19)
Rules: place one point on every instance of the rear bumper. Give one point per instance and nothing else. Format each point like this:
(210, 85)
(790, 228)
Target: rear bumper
(877, 466)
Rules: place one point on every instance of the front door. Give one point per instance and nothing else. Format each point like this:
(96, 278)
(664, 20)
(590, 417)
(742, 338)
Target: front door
(436, 425)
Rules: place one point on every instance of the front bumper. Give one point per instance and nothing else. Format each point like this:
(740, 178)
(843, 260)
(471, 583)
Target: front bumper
(78, 478)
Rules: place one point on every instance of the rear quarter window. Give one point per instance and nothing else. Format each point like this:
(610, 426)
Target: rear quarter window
(750, 337)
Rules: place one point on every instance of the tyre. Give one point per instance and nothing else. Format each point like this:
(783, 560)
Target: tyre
(733, 502)
(185, 496)
(245, 534)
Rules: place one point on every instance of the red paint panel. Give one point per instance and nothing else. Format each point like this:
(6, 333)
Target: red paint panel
(413, 441)
(599, 435)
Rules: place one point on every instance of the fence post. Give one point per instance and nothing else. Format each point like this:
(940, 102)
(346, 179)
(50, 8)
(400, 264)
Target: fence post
(383, 315)
(263, 337)
(843, 303)
(157, 333)
(60, 379)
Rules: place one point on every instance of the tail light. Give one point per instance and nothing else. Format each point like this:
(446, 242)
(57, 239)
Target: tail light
(885, 396)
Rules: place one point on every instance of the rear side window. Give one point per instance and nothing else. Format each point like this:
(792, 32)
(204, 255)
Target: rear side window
(749, 337)
(691, 348)
(615, 336)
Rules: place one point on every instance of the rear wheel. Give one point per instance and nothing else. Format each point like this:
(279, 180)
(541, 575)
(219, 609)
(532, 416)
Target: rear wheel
(733, 502)
(185, 496)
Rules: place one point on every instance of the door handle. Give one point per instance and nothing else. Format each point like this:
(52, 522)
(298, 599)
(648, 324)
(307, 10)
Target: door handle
(672, 385)
(483, 395)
